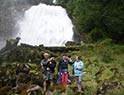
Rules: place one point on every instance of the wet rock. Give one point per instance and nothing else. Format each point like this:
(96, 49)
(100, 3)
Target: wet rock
(49, 93)
(24, 68)
(21, 89)
(71, 43)
(107, 86)
(101, 69)
(1, 60)
(41, 47)
(34, 90)
(10, 44)
(61, 49)
(36, 2)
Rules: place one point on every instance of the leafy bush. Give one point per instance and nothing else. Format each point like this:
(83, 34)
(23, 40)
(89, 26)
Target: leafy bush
(104, 42)
(107, 56)
(100, 19)
(116, 92)
(96, 34)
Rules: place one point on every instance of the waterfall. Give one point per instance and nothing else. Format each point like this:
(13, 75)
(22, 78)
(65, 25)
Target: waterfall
(45, 24)
(54, 1)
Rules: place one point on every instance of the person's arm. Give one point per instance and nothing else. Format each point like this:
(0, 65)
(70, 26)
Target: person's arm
(71, 62)
(59, 66)
(52, 65)
(42, 66)
(44, 62)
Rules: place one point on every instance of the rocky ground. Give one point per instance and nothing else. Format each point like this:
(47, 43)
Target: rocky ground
(21, 73)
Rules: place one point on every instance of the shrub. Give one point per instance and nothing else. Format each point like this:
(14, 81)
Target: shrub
(107, 56)
(115, 92)
(96, 34)
(104, 42)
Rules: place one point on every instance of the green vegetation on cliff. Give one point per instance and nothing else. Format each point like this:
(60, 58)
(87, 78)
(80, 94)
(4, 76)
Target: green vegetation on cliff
(97, 19)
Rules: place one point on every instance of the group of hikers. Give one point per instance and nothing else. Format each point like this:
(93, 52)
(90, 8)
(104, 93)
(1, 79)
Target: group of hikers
(48, 68)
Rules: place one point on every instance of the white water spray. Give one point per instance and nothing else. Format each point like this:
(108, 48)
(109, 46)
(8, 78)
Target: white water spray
(54, 1)
(47, 25)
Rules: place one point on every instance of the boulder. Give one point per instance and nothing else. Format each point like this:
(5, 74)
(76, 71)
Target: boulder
(10, 44)
(34, 90)
(71, 43)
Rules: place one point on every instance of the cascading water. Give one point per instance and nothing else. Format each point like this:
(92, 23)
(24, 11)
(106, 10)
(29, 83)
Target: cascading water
(47, 25)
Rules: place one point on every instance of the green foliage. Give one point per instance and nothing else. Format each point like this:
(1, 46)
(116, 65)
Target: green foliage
(107, 56)
(103, 61)
(104, 42)
(96, 34)
(22, 54)
(116, 92)
(69, 92)
(4, 90)
(98, 18)
(118, 49)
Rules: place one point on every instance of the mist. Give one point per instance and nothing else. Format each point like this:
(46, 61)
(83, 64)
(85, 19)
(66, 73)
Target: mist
(10, 12)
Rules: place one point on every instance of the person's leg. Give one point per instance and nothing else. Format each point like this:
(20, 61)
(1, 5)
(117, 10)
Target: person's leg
(69, 79)
(66, 79)
(79, 83)
(51, 79)
(44, 85)
(63, 78)
(45, 78)
(59, 80)
(51, 83)
(76, 79)
(79, 88)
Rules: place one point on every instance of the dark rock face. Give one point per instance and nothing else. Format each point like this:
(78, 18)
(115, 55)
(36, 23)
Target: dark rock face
(76, 36)
(10, 44)
(71, 43)
(27, 53)
(35, 2)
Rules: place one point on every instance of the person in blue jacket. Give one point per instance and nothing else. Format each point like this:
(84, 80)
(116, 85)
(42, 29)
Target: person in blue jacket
(78, 72)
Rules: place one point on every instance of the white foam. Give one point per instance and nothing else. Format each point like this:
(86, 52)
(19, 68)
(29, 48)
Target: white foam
(45, 24)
